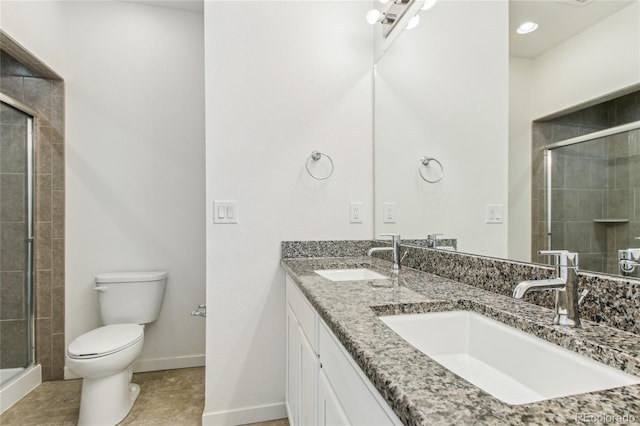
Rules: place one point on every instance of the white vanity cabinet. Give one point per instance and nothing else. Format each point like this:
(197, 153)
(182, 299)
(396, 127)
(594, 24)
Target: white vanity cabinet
(302, 359)
(324, 386)
(330, 411)
(360, 402)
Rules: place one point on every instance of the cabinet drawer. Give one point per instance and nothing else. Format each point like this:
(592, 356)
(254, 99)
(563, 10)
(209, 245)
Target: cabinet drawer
(303, 311)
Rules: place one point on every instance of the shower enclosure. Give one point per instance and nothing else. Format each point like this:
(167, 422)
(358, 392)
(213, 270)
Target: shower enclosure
(593, 199)
(16, 240)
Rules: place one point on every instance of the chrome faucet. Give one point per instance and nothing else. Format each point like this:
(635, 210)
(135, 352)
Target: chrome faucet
(432, 240)
(395, 249)
(629, 259)
(565, 285)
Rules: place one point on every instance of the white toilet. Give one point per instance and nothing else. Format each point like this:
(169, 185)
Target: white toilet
(104, 357)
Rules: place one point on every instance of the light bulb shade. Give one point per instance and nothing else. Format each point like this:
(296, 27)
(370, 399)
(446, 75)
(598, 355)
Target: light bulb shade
(428, 4)
(413, 22)
(373, 16)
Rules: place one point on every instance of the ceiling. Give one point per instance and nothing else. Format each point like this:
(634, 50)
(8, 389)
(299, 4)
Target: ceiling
(558, 21)
(189, 5)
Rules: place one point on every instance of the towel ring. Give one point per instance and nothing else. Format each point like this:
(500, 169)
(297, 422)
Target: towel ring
(316, 156)
(424, 161)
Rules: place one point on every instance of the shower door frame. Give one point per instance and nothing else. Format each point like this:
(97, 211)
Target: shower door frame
(30, 205)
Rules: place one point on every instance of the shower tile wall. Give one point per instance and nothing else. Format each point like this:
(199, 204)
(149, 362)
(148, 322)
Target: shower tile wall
(46, 96)
(579, 196)
(598, 179)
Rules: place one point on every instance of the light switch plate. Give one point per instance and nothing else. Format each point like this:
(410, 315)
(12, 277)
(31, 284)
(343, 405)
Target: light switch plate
(355, 212)
(225, 211)
(495, 213)
(389, 212)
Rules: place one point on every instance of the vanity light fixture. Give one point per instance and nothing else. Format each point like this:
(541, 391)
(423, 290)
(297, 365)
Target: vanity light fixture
(527, 27)
(389, 16)
(428, 4)
(413, 22)
(395, 10)
(374, 16)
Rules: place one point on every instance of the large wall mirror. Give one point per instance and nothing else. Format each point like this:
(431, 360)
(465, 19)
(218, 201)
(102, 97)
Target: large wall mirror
(457, 97)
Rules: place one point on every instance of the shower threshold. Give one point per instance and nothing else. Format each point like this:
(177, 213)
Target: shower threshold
(19, 386)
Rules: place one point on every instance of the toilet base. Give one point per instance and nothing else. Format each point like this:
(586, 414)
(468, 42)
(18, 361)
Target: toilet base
(106, 401)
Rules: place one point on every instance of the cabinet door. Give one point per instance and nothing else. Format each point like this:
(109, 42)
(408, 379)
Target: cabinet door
(308, 375)
(293, 368)
(330, 412)
(359, 400)
(301, 371)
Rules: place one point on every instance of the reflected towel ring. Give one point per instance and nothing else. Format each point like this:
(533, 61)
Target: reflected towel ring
(316, 156)
(424, 161)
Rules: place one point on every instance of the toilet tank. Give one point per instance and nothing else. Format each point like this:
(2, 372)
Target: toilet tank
(130, 297)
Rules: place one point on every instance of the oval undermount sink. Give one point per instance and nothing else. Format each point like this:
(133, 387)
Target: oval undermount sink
(360, 274)
(511, 365)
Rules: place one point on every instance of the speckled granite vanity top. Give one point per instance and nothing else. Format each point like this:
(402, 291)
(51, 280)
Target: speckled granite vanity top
(421, 391)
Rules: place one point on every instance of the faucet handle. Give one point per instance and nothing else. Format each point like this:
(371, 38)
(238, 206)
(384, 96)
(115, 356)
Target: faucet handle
(563, 256)
(394, 237)
(432, 240)
(552, 252)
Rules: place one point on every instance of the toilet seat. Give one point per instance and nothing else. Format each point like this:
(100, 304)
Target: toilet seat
(105, 340)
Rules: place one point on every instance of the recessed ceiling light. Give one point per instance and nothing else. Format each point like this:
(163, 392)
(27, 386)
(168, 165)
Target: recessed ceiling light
(527, 27)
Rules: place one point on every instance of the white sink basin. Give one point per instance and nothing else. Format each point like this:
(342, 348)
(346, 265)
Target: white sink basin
(350, 274)
(511, 365)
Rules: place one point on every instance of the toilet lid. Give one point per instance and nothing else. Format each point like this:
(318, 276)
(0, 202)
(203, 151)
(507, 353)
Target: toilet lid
(105, 340)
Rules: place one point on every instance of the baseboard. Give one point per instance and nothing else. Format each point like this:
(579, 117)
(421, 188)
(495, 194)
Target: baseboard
(242, 416)
(172, 363)
(156, 364)
(19, 387)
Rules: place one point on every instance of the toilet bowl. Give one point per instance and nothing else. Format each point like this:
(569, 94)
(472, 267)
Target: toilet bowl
(104, 357)
(106, 352)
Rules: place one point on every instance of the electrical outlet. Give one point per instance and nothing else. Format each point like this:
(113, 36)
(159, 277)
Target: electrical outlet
(355, 212)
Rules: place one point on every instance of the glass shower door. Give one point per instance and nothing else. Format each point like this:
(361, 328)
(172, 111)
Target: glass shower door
(594, 188)
(16, 231)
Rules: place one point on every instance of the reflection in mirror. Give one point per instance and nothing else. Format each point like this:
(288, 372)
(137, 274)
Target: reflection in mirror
(391, 18)
(591, 183)
(441, 92)
(462, 89)
(592, 207)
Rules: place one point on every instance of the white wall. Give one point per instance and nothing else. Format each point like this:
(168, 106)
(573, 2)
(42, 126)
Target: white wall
(601, 60)
(134, 155)
(521, 98)
(596, 62)
(282, 79)
(441, 91)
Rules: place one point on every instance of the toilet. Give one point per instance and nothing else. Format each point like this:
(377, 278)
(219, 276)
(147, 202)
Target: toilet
(104, 357)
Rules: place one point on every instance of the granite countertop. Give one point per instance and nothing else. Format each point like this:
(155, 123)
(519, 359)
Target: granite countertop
(421, 391)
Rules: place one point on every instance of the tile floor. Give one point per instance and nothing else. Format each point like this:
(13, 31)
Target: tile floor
(172, 397)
